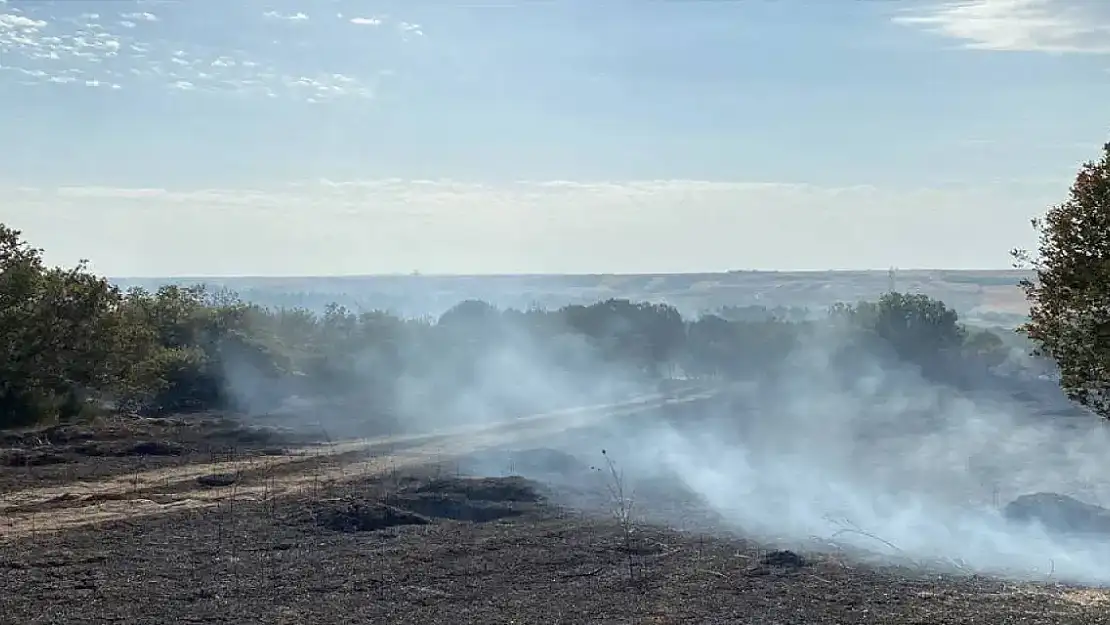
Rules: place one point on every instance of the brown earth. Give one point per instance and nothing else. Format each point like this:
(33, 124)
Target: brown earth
(386, 531)
(40, 498)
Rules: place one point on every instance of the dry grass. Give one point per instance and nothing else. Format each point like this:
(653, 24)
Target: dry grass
(1087, 597)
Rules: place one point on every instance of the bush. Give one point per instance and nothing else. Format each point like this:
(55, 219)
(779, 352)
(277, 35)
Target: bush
(71, 342)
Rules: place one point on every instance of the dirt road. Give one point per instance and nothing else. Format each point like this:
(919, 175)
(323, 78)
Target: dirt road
(176, 488)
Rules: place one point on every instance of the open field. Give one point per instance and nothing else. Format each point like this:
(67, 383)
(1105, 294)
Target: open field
(393, 530)
(969, 292)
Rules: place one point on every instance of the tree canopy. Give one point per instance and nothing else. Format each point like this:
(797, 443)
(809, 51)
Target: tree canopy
(72, 342)
(1069, 294)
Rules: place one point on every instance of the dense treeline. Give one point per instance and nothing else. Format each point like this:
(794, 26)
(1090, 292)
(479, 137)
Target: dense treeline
(72, 342)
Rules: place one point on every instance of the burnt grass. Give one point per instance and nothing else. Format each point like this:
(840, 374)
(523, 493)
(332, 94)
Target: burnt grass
(118, 445)
(427, 546)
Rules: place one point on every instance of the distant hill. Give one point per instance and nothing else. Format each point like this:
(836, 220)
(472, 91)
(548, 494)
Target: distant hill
(989, 297)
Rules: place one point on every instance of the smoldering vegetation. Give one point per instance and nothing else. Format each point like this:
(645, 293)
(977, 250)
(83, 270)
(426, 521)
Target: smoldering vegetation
(374, 373)
(885, 427)
(928, 467)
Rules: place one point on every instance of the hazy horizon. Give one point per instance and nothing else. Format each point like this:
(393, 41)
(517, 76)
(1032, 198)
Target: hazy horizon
(883, 270)
(164, 138)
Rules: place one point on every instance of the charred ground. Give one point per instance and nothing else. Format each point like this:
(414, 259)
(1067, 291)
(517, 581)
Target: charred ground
(122, 444)
(427, 544)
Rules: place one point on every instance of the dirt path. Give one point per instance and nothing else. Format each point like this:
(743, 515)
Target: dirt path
(86, 503)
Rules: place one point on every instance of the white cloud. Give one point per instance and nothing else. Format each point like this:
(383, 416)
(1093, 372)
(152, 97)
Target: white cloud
(1060, 26)
(366, 21)
(52, 44)
(443, 226)
(12, 22)
(141, 16)
(411, 29)
(289, 17)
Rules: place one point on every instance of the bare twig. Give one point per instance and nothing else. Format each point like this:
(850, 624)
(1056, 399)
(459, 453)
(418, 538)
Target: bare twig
(587, 574)
(623, 505)
(855, 529)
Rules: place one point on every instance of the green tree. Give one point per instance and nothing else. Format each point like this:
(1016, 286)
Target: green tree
(1069, 294)
(57, 331)
(986, 348)
(916, 328)
(70, 339)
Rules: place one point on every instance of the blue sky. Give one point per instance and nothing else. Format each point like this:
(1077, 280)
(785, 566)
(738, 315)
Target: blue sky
(324, 137)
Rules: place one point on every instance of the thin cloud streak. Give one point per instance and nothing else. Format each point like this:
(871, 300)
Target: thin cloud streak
(330, 227)
(1053, 26)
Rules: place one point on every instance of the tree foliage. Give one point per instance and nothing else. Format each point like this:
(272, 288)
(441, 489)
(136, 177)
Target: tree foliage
(70, 342)
(1069, 294)
(57, 332)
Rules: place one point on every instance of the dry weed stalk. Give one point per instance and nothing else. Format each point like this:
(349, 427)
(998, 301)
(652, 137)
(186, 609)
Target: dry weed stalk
(623, 507)
(847, 527)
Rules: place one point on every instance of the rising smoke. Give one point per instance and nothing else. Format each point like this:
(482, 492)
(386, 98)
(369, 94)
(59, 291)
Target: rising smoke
(874, 456)
(889, 462)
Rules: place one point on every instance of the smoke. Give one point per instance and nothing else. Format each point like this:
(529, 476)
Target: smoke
(422, 377)
(511, 377)
(888, 462)
(837, 445)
